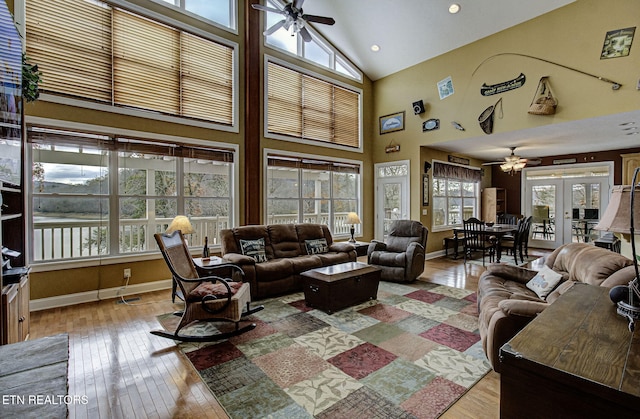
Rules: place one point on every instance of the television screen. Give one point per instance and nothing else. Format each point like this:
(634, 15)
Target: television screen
(10, 98)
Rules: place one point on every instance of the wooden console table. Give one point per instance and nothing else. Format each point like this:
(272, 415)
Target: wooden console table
(577, 359)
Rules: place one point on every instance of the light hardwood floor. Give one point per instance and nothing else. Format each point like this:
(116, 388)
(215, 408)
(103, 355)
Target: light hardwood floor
(126, 372)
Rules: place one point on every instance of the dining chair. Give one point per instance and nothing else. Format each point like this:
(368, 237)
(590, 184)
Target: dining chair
(518, 242)
(477, 239)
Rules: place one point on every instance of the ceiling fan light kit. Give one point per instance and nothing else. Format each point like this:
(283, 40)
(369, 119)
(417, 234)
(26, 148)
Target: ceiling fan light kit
(294, 19)
(511, 164)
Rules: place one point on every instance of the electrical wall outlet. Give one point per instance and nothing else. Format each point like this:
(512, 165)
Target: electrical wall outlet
(127, 273)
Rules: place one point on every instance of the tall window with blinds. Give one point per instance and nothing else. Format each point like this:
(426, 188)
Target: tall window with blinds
(100, 195)
(312, 190)
(91, 50)
(303, 107)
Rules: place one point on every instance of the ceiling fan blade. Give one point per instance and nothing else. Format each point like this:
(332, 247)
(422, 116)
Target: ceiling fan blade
(267, 9)
(305, 34)
(492, 163)
(275, 27)
(298, 4)
(319, 19)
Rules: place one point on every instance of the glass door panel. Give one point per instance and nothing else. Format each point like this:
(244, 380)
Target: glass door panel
(587, 203)
(392, 196)
(543, 203)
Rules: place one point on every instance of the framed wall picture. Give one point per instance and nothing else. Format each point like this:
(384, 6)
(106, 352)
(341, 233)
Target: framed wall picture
(391, 123)
(425, 190)
(617, 43)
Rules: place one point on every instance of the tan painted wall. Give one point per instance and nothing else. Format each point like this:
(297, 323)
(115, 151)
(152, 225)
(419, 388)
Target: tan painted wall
(572, 36)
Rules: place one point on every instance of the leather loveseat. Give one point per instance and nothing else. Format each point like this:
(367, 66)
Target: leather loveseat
(506, 304)
(273, 256)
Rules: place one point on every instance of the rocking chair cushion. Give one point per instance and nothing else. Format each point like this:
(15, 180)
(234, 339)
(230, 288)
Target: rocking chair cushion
(210, 288)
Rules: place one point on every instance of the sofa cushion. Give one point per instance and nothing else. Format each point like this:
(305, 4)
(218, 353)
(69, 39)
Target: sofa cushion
(284, 240)
(334, 258)
(316, 246)
(304, 263)
(274, 269)
(544, 282)
(254, 248)
(388, 258)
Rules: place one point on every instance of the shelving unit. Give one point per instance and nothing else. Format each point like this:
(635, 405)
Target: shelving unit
(494, 202)
(14, 315)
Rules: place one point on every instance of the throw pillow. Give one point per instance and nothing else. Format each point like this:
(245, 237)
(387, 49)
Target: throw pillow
(316, 246)
(544, 282)
(254, 248)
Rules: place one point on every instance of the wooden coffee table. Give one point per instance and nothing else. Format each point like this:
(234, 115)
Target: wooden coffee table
(336, 287)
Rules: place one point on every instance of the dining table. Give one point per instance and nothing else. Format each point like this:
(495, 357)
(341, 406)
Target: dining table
(496, 230)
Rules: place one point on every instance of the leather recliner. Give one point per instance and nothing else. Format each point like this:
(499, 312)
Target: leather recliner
(401, 256)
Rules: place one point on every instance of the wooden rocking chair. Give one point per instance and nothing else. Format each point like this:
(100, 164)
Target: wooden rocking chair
(208, 298)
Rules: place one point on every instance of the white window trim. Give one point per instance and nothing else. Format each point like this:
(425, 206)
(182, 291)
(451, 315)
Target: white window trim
(101, 129)
(267, 134)
(268, 151)
(233, 5)
(478, 197)
(323, 43)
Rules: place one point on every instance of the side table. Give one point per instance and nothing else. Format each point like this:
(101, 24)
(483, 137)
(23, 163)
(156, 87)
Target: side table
(361, 248)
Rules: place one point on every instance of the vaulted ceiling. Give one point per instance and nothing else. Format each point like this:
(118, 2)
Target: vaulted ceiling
(411, 31)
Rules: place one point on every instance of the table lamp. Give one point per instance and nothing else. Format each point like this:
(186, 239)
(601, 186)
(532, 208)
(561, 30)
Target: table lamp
(623, 216)
(353, 219)
(182, 223)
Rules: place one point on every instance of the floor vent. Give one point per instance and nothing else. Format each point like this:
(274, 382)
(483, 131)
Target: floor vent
(127, 300)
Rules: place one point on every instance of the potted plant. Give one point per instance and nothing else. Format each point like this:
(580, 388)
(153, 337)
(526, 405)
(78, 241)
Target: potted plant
(31, 78)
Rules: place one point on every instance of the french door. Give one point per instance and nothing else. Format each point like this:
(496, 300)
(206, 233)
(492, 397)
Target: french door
(566, 203)
(392, 195)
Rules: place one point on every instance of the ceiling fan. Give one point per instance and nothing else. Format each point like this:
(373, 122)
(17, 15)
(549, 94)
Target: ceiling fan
(294, 19)
(513, 163)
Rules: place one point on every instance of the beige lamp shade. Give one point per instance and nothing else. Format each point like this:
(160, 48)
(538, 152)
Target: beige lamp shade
(352, 218)
(181, 223)
(617, 217)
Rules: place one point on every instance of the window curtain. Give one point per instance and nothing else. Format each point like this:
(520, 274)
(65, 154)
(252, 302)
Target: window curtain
(451, 171)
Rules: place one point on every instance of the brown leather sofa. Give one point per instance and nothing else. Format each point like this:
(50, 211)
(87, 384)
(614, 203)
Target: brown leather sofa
(287, 255)
(506, 305)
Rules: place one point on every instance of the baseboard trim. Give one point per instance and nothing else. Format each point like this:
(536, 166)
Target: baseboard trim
(97, 295)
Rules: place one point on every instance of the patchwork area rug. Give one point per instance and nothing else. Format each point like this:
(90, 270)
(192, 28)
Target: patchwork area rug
(411, 353)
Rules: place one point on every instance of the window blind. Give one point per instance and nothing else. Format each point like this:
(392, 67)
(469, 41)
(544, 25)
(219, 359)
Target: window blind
(38, 135)
(91, 50)
(311, 164)
(306, 107)
(71, 42)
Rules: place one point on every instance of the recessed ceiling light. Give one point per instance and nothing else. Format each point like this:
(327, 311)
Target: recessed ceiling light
(375, 48)
(454, 8)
